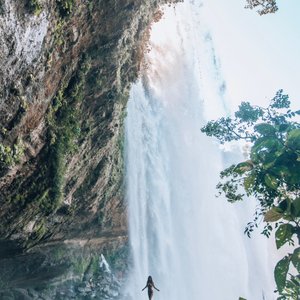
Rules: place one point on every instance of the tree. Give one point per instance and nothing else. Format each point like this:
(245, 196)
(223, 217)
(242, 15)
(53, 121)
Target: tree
(271, 174)
(263, 6)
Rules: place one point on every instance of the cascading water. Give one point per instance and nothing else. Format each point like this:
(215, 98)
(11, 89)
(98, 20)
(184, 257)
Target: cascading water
(189, 241)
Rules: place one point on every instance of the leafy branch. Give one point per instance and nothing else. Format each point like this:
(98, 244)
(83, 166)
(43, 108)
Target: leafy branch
(271, 174)
(263, 7)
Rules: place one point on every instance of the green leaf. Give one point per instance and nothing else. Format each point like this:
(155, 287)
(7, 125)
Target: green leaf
(293, 139)
(265, 129)
(272, 215)
(295, 282)
(283, 234)
(284, 127)
(249, 182)
(285, 205)
(264, 148)
(243, 167)
(265, 143)
(271, 181)
(295, 208)
(296, 259)
(280, 273)
(280, 170)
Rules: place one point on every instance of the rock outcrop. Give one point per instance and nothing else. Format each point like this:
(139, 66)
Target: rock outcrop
(66, 67)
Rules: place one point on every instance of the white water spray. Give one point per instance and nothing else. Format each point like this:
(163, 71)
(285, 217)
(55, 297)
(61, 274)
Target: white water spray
(189, 241)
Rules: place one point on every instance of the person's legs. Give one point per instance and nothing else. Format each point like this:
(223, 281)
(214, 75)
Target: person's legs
(150, 294)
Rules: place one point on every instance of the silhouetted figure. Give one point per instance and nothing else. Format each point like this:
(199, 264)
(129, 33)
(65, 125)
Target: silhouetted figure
(150, 285)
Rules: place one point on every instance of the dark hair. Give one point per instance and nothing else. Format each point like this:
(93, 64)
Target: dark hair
(149, 280)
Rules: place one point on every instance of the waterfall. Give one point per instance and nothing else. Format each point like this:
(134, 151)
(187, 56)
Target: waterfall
(189, 241)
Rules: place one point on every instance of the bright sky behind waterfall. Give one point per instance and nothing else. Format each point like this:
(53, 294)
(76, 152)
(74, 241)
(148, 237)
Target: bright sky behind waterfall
(258, 54)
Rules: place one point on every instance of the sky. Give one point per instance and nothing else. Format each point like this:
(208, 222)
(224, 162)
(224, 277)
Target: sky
(258, 54)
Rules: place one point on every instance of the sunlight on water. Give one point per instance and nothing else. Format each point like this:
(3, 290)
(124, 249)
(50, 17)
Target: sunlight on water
(191, 242)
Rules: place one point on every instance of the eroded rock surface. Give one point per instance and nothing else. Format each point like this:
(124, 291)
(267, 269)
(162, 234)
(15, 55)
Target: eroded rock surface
(65, 71)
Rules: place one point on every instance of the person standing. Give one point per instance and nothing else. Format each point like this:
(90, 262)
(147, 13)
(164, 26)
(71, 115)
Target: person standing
(150, 285)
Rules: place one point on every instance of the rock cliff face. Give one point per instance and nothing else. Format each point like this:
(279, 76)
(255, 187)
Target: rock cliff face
(65, 71)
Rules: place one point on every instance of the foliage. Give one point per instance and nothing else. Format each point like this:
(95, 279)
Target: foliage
(263, 7)
(9, 156)
(90, 5)
(80, 265)
(288, 288)
(64, 130)
(271, 174)
(65, 7)
(35, 7)
(58, 33)
(45, 191)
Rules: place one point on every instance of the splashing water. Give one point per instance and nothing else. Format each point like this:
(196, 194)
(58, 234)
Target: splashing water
(191, 242)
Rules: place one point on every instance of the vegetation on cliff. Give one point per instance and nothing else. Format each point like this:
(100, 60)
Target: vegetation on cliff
(64, 130)
(263, 7)
(271, 174)
(9, 156)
